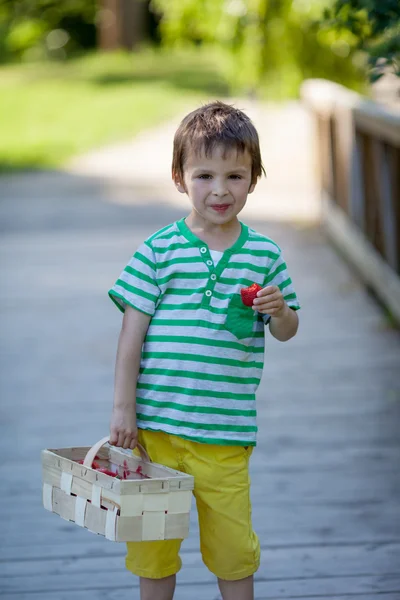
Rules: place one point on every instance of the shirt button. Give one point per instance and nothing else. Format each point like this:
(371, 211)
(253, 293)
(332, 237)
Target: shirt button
(213, 277)
(208, 293)
(203, 249)
(209, 262)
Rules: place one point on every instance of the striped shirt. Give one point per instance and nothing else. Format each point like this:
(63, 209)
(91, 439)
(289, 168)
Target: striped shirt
(199, 373)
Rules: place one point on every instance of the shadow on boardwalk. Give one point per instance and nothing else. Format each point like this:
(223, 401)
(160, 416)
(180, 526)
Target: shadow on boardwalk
(325, 472)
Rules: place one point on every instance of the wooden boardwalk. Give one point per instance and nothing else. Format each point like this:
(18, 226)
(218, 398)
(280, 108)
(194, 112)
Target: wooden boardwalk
(326, 478)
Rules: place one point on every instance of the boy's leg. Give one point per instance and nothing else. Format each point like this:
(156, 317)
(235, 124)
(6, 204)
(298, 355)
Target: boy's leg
(162, 589)
(156, 563)
(243, 589)
(229, 546)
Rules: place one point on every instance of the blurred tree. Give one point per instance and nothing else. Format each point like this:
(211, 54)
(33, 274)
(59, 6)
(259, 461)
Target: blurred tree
(271, 44)
(251, 30)
(46, 28)
(375, 27)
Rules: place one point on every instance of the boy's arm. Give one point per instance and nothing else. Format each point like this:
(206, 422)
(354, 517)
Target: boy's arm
(123, 430)
(284, 326)
(284, 320)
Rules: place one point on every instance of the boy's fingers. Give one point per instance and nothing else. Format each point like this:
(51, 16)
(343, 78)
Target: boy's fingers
(271, 305)
(121, 439)
(270, 298)
(127, 442)
(270, 289)
(268, 308)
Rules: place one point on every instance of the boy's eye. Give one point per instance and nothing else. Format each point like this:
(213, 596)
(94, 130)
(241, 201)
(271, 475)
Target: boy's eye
(204, 176)
(235, 176)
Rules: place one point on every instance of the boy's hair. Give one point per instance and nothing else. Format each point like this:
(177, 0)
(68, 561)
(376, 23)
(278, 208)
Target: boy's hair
(216, 124)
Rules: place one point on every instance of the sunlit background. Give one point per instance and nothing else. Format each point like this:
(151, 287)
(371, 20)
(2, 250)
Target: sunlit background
(65, 65)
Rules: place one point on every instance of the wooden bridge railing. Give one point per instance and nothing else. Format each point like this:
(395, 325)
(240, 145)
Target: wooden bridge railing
(358, 158)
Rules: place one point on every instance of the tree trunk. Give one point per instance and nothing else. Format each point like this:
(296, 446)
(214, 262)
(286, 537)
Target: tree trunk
(122, 23)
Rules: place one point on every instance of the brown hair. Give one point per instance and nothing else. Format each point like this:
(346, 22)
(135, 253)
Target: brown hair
(216, 124)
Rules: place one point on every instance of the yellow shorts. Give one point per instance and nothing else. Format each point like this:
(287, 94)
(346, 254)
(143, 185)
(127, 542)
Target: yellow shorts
(229, 547)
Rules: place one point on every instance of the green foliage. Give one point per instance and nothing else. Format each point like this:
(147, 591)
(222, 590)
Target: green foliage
(269, 45)
(52, 110)
(46, 28)
(375, 26)
(25, 34)
(248, 30)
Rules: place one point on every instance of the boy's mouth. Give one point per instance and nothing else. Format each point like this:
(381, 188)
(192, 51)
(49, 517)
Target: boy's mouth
(221, 208)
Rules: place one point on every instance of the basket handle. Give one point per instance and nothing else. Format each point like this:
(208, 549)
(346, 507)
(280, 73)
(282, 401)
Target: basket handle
(89, 458)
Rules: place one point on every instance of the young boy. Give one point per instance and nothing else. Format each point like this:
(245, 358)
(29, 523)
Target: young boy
(190, 353)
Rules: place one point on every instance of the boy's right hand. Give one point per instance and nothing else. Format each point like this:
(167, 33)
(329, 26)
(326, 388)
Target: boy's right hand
(123, 428)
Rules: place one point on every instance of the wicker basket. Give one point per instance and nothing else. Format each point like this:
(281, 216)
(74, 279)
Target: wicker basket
(152, 504)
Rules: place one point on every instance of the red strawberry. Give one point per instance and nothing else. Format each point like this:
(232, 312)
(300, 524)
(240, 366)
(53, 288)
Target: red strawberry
(95, 465)
(107, 472)
(248, 294)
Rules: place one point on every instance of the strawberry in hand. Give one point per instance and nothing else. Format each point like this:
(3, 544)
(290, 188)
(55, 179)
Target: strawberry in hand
(249, 294)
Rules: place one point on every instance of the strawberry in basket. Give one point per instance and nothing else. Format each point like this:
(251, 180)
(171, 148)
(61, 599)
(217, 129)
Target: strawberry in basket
(97, 467)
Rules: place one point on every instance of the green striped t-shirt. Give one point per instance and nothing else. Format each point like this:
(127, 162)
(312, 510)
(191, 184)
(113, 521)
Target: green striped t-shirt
(203, 354)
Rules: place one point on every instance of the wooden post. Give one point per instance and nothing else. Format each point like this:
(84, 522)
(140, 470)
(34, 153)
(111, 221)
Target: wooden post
(323, 153)
(356, 189)
(385, 202)
(394, 162)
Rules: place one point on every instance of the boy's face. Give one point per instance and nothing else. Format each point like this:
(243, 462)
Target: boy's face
(217, 185)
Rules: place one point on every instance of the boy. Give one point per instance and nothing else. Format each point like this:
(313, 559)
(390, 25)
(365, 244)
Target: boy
(190, 353)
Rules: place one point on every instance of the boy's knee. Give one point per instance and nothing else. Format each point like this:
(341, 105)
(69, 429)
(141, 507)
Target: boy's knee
(235, 561)
(154, 560)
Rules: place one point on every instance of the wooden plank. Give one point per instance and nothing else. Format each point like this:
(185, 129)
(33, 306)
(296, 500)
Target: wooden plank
(374, 270)
(265, 591)
(275, 587)
(373, 225)
(83, 546)
(385, 202)
(356, 195)
(344, 140)
(311, 561)
(333, 149)
(372, 118)
(297, 425)
(210, 593)
(322, 152)
(286, 524)
(377, 121)
(393, 159)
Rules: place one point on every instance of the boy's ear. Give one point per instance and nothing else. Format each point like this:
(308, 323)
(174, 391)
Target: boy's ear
(179, 184)
(252, 187)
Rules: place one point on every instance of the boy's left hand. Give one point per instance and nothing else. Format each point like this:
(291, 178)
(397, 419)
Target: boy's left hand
(270, 301)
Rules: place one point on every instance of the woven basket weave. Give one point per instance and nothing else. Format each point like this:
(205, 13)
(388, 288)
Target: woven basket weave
(154, 506)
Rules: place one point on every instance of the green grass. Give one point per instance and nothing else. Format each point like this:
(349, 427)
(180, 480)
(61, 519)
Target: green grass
(50, 112)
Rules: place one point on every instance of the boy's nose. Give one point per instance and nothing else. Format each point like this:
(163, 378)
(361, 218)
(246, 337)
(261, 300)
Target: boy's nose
(219, 190)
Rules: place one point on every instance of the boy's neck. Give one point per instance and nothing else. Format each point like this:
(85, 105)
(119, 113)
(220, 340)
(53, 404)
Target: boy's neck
(217, 237)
